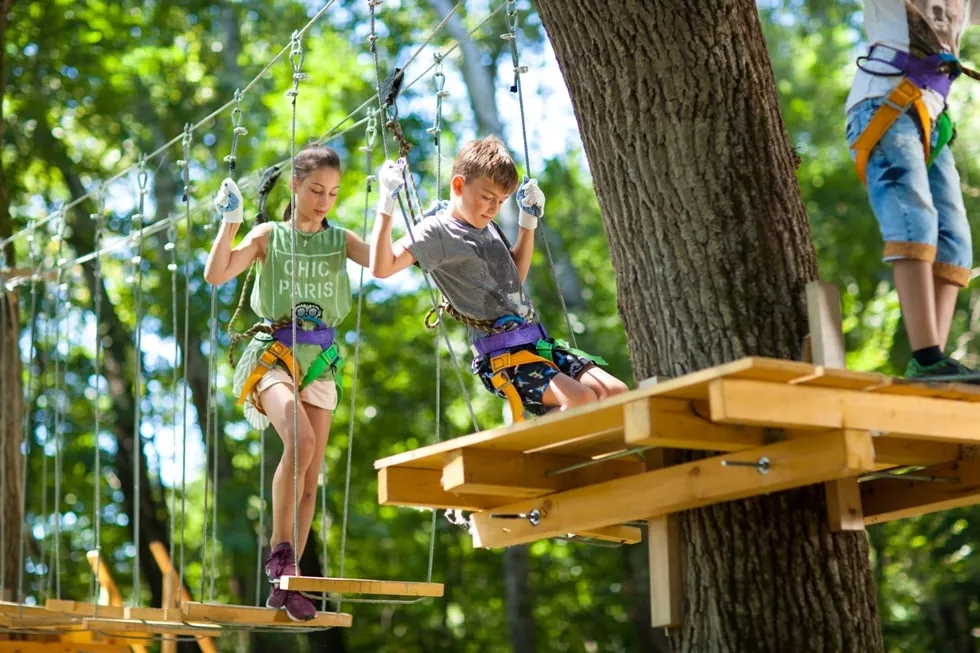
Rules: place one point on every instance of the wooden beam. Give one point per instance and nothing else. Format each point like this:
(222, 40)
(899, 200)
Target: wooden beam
(907, 452)
(56, 646)
(360, 586)
(665, 557)
(151, 627)
(513, 474)
(827, 349)
(736, 401)
(795, 463)
(104, 575)
(171, 592)
(621, 534)
(886, 499)
(80, 609)
(676, 424)
(259, 617)
(844, 505)
(422, 488)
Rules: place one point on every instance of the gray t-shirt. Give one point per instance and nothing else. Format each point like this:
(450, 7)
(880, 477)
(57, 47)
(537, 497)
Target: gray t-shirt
(472, 267)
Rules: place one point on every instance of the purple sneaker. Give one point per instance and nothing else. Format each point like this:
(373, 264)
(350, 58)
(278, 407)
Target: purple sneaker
(281, 562)
(277, 598)
(298, 607)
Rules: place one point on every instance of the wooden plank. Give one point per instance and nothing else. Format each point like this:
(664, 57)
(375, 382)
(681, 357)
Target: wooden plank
(665, 558)
(360, 586)
(826, 336)
(259, 617)
(422, 488)
(513, 474)
(794, 463)
(844, 505)
(595, 419)
(104, 575)
(153, 614)
(675, 424)
(907, 452)
(886, 499)
(78, 608)
(827, 349)
(150, 627)
(736, 401)
(171, 592)
(60, 647)
(620, 534)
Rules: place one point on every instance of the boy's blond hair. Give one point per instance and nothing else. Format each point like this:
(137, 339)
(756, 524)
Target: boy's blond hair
(487, 157)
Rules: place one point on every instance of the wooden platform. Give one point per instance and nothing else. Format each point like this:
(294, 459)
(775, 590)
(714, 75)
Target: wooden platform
(777, 425)
(240, 615)
(360, 586)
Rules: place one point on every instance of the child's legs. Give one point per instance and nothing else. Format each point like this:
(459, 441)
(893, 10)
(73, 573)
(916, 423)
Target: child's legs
(565, 392)
(954, 253)
(601, 382)
(900, 196)
(320, 419)
(277, 402)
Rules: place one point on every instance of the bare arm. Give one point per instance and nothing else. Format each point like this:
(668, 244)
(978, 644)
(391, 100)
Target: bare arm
(358, 250)
(225, 262)
(388, 258)
(522, 252)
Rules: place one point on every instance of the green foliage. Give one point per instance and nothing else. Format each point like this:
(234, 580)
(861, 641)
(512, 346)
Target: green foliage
(92, 84)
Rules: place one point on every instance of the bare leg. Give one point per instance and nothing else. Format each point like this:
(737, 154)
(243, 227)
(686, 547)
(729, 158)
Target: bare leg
(945, 294)
(565, 392)
(914, 282)
(601, 382)
(277, 401)
(320, 419)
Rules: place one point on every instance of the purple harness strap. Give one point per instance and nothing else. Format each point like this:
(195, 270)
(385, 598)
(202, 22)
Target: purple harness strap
(322, 336)
(925, 73)
(498, 343)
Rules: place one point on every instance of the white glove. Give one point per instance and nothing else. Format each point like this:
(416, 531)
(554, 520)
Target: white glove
(228, 201)
(530, 199)
(391, 179)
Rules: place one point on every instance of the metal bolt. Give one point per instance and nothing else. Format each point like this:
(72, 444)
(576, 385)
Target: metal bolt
(762, 465)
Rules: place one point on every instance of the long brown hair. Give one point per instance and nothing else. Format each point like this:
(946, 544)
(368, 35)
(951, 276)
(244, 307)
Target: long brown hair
(308, 160)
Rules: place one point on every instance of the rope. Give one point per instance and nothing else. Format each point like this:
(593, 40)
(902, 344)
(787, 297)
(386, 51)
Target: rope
(5, 335)
(296, 60)
(60, 391)
(176, 139)
(185, 172)
(141, 179)
(511, 37)
(211, 448)
(97, 491)
(368, 149)
(26, 435)
(44, 361)
(188, 189)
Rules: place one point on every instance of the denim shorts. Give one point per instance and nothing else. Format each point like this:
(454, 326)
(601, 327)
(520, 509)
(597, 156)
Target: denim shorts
(919, 209)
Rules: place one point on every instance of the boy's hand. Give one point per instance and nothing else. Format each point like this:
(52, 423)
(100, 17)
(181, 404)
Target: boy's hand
(228, 201)
(391, 179)
(530, 199)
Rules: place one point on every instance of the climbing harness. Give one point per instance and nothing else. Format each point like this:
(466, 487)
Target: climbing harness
(280, 352)
(935, 73)
(506, 350)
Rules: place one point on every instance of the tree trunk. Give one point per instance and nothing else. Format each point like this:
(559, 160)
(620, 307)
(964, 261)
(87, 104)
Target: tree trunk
(711, 246)
(520, 602)
(10, 383)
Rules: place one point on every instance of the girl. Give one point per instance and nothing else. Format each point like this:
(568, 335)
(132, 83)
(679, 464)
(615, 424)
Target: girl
(271, 364)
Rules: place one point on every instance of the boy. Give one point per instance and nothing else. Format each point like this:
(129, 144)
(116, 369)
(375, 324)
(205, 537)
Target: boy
(898, 129)
(482, 278)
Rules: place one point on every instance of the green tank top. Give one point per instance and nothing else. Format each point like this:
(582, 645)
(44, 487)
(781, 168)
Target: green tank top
(322, 285)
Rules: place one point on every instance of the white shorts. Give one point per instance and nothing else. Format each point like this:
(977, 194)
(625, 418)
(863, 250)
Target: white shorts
(322, 394)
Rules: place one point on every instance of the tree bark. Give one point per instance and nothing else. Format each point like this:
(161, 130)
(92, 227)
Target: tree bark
(711, 246)
(12, 389)
(520, 602)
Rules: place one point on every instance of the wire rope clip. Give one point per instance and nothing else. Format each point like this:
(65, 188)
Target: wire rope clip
(762, 465)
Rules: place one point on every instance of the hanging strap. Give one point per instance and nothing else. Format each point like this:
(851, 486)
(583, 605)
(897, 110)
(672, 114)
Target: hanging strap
(902, 98)
(546, 349)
